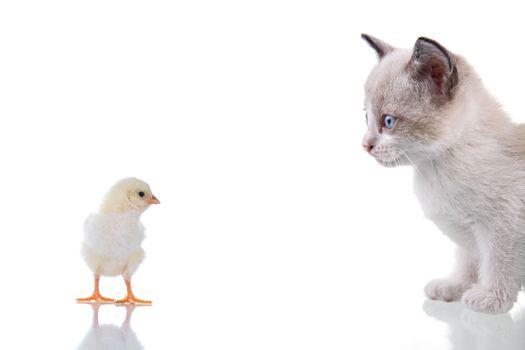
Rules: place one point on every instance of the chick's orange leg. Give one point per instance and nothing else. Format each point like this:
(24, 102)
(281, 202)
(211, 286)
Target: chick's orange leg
(130, 298)
(96, 297)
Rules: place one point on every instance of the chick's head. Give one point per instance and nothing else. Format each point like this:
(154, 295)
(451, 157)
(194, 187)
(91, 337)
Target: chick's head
(128, 194)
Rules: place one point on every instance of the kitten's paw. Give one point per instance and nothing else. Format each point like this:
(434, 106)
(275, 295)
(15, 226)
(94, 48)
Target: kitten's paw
(444, 289)
(490, 301)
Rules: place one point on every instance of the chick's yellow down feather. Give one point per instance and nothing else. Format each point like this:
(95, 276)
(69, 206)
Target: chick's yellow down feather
(113, 236)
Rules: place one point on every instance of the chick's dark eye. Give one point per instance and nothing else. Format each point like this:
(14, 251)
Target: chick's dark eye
(142, 194)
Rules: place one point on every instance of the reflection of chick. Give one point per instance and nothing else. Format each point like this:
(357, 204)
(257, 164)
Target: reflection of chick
(109, 336)
(112, 237)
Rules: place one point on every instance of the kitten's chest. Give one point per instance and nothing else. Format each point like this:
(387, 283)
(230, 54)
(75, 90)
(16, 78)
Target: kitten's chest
(443, 196)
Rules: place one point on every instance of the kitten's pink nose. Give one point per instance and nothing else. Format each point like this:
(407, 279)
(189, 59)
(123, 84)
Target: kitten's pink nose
(369, 141)
(368, 146)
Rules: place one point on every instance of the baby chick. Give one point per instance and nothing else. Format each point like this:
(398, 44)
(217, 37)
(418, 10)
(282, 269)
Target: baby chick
(112, 237)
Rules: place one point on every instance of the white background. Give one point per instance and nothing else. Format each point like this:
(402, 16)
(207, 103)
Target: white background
(276, 230)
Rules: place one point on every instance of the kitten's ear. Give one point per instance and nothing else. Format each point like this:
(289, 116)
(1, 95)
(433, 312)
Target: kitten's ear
(381, 47)
(432, 62)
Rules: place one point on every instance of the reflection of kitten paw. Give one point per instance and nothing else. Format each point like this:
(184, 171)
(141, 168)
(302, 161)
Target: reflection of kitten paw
(490, 301)
(490, 326)
(444, 289)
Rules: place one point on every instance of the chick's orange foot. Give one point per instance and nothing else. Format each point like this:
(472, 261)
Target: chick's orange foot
(130, 299)
(97, 298)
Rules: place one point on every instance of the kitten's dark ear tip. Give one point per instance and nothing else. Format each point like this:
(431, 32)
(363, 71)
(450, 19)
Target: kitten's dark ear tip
(427, 41)
(379, 46)
(424, 38)
(368, 38)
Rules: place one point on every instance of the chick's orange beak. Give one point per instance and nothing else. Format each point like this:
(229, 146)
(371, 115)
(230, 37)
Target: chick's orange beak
(153, 200)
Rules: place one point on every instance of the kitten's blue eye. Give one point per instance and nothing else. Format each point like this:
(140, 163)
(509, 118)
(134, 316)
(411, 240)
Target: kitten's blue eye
(389, 121)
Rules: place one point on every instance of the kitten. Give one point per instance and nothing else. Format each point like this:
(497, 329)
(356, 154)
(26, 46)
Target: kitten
(426, 107)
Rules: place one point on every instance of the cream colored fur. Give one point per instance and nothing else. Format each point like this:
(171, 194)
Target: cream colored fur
(112, 243)
(469, 161)
(113, 236)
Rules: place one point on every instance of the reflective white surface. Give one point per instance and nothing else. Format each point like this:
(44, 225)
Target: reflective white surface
(195, 323)
(472, 330)
(276, 230)
(110, 336)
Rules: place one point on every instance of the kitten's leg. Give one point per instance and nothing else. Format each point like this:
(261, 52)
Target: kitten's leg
(499, 273)
(461, 279)
(464, 274)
